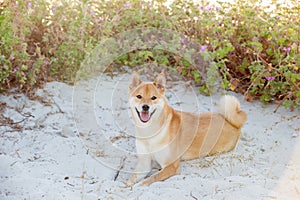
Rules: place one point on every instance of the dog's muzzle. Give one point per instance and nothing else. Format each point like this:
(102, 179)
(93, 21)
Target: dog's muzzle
(145, 115)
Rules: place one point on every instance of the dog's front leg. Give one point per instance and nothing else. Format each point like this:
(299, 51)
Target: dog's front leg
(166, 172)
(142, 169)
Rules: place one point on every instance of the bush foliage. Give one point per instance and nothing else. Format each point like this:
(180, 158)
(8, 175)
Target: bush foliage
(254, 46)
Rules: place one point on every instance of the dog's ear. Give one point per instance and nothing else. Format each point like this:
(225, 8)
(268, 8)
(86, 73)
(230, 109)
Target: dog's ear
(135, 81)
(160, 82)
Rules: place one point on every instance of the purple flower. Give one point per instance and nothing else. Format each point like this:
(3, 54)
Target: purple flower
(277, 17)
(17, 69)
(29, 4)
(270, 78)
(127, 4)
(203, 48)
(92, 12)
(208, 9)
(286, 49)
(53, 9)
(182, 40)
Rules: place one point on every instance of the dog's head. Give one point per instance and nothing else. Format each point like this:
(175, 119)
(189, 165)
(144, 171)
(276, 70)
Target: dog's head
(146, 98)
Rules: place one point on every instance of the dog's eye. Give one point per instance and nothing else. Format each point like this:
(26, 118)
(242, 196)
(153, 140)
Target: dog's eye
(139, 96)
(153, 98)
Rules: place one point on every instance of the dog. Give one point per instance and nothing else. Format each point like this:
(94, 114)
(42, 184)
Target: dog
(166, 136)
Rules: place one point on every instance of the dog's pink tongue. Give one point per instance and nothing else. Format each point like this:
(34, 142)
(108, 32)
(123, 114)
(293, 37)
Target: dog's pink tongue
(145, 116)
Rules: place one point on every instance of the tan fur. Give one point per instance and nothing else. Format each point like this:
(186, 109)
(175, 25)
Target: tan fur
(170, 135)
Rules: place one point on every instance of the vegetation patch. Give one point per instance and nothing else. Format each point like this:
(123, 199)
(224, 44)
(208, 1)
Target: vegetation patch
(254, 47)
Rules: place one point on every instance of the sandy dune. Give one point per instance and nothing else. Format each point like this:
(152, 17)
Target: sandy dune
(72, 148)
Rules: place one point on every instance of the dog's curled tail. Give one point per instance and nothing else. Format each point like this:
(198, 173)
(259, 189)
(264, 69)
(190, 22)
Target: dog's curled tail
(230, 109)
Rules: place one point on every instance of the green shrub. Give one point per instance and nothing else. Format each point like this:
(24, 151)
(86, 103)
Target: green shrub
(254, 48)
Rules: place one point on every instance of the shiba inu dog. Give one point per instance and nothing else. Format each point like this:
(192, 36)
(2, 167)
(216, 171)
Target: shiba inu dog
(166, 136)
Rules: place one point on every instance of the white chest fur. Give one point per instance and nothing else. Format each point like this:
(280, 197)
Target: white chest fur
(154, 141)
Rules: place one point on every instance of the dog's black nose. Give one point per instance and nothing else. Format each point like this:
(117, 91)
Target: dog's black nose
(145, 107)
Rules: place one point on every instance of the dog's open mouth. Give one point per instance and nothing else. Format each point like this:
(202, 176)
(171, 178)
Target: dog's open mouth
(144, 115)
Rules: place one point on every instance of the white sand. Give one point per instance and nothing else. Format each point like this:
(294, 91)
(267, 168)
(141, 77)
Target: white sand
(73, 153)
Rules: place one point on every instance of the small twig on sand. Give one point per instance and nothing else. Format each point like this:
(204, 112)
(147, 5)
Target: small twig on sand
(114, 139)
(15, 126)
(284, 98)
(70, 184)
(59, 108)
(120, 167)
(191, 194)
(18, 122)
